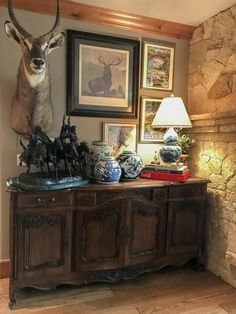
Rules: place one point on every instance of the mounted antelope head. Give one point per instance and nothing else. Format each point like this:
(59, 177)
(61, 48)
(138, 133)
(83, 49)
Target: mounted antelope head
(32, 98)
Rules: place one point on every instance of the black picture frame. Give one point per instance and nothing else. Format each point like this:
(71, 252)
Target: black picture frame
(87, 56)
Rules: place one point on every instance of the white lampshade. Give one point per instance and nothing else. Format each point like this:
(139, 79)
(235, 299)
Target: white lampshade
(172, 113)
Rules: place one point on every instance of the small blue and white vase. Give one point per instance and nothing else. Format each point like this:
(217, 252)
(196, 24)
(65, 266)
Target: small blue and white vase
(107, 171)
(131, 165)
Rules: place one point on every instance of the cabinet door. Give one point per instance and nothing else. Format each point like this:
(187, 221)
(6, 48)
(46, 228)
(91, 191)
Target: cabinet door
(99, 243)
(185, 226)
(44, 243)
(147, 229)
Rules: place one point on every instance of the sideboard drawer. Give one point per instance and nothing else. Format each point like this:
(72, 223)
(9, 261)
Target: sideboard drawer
(44, 199)
(86, 198)
(159, 194)
(187, 191)
(105, 196)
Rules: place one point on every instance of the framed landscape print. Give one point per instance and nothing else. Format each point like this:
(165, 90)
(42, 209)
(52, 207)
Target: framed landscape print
(102, 75)
(158, 66)
(148, 134)
(120, 136)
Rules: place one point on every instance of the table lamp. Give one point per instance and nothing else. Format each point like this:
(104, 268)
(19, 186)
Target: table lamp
(171, 114)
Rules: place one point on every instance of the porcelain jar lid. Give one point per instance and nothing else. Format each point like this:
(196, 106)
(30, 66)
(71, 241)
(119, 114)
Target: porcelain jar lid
(99, 143)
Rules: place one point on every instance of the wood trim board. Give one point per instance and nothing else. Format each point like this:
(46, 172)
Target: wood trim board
(114, 18)
(4, 269)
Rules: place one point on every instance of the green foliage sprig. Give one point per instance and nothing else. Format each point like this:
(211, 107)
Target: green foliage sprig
(185, 142)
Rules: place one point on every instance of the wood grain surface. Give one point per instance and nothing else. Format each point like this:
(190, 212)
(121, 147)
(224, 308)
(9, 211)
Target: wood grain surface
(170, 291)
(98, 15)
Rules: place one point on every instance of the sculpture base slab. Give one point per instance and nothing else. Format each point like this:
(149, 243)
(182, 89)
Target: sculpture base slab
(39, 182)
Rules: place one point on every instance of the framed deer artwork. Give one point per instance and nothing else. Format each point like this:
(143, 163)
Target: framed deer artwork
(102, 75)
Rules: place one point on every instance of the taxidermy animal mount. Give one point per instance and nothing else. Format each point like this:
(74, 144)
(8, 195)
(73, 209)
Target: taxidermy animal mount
(32, 98)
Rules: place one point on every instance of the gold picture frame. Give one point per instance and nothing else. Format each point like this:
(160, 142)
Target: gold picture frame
(120, 136)
(158, 65)
(148, 134)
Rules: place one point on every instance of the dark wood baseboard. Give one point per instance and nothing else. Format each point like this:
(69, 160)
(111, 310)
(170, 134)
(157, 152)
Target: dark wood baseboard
(4, 268)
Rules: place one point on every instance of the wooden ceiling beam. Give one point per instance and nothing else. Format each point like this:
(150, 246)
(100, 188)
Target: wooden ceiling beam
(93, 14)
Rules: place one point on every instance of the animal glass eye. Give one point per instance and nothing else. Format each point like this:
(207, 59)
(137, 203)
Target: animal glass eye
(45, 46)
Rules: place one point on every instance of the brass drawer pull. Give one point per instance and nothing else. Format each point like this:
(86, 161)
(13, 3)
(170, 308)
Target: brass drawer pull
(42, 202)
(52, 200)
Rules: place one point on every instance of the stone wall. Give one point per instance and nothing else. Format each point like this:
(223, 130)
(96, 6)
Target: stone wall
(212, 66)
(212, 103)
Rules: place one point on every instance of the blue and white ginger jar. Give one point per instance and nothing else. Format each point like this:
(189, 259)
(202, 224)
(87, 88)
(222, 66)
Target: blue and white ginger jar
(97, 151)
(131, 165)
(107, 171)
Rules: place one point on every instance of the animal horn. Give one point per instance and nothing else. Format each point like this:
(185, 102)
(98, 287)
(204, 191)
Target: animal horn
(14, 21)
(30, 124)
(47, 36)
(22, 145)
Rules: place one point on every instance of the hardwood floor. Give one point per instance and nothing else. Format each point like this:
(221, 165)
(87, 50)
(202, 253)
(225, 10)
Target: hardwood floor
(172, 291)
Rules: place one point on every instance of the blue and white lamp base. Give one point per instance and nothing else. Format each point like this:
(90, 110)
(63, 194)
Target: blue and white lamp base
(170, 152)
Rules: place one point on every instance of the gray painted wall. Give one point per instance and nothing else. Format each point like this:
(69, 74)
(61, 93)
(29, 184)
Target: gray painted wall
(88, 128)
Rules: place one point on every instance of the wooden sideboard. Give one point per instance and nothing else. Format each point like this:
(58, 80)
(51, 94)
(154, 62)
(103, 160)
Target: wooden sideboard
(103, 232)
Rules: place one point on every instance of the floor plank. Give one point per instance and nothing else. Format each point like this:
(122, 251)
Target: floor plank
(229, 307)
(171, 291)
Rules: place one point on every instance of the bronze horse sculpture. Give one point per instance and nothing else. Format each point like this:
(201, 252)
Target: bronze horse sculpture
(66, 149)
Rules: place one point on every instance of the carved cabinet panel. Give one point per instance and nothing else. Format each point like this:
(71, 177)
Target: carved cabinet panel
(146, 227)
(100, 236)
(185, 220)
(44, 240)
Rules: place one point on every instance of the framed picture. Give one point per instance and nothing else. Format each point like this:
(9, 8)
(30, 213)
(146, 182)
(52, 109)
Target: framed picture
(148, 134)
(158, 65)
(120, 136)
(102, 75)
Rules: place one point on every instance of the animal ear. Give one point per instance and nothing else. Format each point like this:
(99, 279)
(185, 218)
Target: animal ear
(12, 32)
(56, 42)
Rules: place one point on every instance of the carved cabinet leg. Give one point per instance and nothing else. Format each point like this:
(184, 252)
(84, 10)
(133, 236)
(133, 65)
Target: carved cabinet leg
(12, 304)
(198, 263)
(12, 299)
